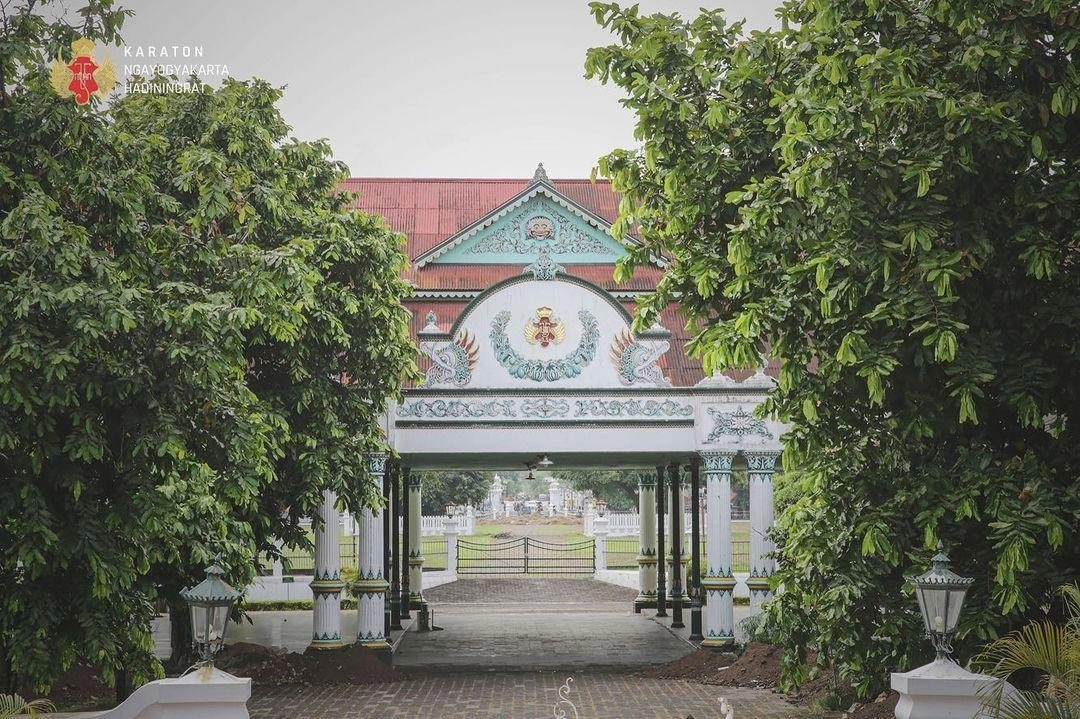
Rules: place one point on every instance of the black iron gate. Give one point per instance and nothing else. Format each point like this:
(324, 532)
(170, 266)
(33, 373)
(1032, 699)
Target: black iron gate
(526, 555)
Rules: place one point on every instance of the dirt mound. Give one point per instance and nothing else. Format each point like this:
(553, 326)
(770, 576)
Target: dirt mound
(884, 707)
(701, 666)
(267, 666)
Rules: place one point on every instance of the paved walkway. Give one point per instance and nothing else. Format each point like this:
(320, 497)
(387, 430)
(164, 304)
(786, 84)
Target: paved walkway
(503, 695)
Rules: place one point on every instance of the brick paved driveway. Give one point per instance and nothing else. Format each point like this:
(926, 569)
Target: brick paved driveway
(518, 696)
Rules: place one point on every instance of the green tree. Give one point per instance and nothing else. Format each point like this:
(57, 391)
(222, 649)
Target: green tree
(618, 488)
(199, 337)
(884, 196)
(443, 488)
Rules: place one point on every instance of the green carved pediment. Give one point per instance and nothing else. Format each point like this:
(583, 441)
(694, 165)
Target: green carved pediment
(522, 233)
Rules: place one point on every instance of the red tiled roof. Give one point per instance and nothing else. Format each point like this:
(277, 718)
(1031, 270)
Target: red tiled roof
(429, 211)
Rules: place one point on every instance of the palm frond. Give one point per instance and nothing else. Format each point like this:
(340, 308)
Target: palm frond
(12, 705)
(1033, 705)
(1040, 645)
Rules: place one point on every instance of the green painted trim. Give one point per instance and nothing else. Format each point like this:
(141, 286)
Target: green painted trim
(533, 189)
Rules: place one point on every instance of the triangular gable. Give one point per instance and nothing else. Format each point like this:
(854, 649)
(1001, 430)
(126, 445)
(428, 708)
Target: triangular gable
(539, 218)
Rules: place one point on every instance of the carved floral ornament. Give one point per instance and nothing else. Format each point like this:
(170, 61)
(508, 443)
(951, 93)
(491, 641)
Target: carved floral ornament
(737, 424)
(551, 370)
(545, 408)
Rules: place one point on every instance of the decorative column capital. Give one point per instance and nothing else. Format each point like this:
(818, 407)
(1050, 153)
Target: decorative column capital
(646, 480)
(377, 462)
(764, 462)
(717, 461)
(415, 480)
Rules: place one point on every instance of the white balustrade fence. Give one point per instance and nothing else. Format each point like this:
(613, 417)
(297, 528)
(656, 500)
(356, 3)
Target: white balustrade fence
(626, 524)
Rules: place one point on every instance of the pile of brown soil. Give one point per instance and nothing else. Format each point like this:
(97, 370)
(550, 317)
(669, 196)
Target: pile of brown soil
(758, 667)
(267, 666)
(883, 707)
(702, 666)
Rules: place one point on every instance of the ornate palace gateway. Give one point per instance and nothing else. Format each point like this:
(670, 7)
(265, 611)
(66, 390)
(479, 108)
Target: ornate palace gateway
(528, 352)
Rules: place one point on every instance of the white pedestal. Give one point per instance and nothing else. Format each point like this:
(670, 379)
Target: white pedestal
(941, 690)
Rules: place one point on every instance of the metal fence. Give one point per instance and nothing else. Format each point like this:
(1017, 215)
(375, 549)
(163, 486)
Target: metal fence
(526, 555)
(622, 553)
(434, 548)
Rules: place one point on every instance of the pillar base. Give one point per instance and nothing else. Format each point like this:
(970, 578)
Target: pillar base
(646, 598)
(327, 643)
(718, 643)
(942, 690)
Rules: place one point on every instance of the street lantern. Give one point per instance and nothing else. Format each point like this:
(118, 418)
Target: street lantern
(941, 596)
(210, 602)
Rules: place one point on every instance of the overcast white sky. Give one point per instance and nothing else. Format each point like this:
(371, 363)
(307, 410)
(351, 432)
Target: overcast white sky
(423, 88)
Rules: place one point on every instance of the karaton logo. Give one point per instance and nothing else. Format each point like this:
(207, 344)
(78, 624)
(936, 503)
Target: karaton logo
(82, 76)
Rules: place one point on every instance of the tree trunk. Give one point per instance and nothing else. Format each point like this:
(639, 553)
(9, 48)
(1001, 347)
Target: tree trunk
(182, 655)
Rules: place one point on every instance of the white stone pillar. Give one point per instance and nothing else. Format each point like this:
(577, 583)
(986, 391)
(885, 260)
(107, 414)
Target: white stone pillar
(371, 585)
(718, 582)
(945, 690)
(647, 538)
(416, 547)
(600, 532)
(761, 466)
(326, 584)
(450, 531)
(495, 495)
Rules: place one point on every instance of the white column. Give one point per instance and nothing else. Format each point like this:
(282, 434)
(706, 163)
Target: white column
(450, 531)
(371, 585)
(717, 581)
(600, 532)
(760, 467)
(416, 547)
(647, 537)
(326, 585)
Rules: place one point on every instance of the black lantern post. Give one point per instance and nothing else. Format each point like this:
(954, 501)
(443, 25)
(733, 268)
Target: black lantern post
(941, 595)
(210, 601)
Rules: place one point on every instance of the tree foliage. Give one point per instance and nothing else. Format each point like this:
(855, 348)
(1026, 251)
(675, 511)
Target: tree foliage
(618, 488)
(439, 489)
(198, 338)
(884, 195)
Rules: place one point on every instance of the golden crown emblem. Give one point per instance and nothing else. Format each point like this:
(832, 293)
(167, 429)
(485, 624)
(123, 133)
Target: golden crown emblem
(544, 328)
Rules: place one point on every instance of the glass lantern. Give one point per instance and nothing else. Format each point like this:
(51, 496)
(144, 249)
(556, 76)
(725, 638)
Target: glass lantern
(941, 595)
(210, 602)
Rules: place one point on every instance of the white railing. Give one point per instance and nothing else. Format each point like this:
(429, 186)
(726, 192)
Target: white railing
(626, 524)
(432, 526)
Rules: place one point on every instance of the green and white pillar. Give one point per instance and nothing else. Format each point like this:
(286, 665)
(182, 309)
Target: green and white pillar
(371, 581)
(718, 581)
(416, 547)
(326, 585)
(647, 532)
(761, 466)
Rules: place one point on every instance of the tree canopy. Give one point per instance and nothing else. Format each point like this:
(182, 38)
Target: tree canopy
(199, 337)
(883, 194)
(440, 489)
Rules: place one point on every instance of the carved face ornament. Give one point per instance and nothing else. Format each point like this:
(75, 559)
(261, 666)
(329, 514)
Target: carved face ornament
(540, 228)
